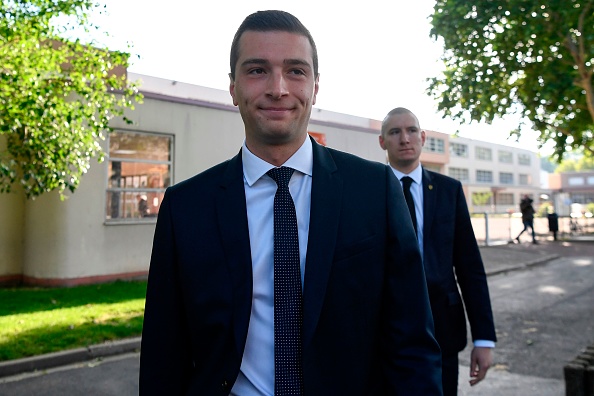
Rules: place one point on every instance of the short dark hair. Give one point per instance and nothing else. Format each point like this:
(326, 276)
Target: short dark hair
(267, 21)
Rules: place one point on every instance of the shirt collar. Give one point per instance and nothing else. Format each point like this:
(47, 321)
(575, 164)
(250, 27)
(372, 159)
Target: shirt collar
(416, 174)
(254, 167)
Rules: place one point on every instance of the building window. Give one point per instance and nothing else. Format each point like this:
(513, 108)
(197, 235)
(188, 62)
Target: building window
(483, 176)
(483, 153)
(139, 171)
(459, 150)
(506, 178)
(524, 180)
(506, 157)
(575, 181)
(523, 159)
(505, 199)
(582, 198)
(434, 145)
(459, 173)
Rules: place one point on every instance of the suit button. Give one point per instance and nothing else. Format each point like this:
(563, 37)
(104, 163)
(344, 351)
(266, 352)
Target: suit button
(225, 385)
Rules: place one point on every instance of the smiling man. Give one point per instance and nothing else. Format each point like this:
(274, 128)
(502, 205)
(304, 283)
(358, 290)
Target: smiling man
(290, 269)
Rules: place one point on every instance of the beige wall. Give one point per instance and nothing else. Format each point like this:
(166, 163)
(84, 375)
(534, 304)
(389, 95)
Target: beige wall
(66, 241)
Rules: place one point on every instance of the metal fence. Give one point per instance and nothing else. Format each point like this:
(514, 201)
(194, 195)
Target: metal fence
(494, 228)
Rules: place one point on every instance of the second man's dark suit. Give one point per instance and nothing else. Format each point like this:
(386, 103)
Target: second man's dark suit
(450, 253)
(367, 325)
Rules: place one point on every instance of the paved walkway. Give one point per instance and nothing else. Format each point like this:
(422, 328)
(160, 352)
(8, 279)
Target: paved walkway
(498, 259)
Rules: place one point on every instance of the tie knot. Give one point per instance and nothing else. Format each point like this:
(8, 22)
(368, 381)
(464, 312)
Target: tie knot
(406, 182)
(281, 175)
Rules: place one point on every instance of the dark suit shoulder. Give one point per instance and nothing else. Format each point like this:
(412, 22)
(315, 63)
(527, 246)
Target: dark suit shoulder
(210, 176)
(440, 178)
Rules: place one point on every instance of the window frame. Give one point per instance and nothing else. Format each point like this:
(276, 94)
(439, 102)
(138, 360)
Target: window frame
(524, 179)
(140, 189)
(503, 180)
(484, 172)
(478, 150)
(459, 150)
(434, 145)
(456, 173)
(524, 159)
(505, 157)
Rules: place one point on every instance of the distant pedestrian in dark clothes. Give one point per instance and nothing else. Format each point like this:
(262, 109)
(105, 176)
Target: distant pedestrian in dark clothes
(527, 217)
(143, 209)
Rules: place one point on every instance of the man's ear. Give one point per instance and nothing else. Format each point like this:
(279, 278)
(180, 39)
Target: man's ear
(381, 142)
(232, 89)
(316, 88)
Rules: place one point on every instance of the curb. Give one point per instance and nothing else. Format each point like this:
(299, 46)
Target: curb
(55, 359)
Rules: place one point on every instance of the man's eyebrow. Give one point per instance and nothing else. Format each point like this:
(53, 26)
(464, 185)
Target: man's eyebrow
(290, 62)
(254, 61)
(297, 62)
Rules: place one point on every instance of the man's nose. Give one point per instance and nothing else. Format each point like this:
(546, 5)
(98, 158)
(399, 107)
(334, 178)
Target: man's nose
(404, 139)
(277, 85)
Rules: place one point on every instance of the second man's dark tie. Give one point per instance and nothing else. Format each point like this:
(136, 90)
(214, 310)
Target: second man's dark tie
(406, 182)
(288, 302)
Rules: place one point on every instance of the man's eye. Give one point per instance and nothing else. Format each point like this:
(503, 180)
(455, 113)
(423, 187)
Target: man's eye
(297, 71)
(256, 71)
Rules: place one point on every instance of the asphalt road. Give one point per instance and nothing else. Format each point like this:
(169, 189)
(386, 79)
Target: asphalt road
(544, 316)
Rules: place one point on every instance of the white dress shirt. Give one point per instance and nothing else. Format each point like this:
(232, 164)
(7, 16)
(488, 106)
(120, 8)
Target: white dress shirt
(256, 377)
(416, 190)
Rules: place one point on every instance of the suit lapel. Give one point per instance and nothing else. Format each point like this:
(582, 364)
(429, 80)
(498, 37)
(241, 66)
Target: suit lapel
(326, 193)
(232, 218)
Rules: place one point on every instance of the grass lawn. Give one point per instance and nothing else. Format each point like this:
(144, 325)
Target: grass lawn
(35, 321)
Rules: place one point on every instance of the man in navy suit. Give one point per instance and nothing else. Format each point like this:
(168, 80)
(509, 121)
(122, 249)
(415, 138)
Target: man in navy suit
(209, 324)
(451, 256)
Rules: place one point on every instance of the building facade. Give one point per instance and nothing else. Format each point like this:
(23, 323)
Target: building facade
(572, 192)
(495, 177)
(104, 230)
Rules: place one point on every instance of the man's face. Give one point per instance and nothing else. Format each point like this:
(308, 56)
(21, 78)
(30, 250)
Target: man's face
(274, 87)
(403, 139)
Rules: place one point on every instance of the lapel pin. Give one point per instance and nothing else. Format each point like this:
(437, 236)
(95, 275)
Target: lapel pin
(430, 186)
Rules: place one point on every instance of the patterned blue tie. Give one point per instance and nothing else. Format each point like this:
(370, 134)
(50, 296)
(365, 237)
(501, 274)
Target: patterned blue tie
(288, 302)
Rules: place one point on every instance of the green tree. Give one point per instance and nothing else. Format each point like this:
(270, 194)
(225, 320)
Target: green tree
(582, 163)
(57, 95)
(481, 198)
(528, 57)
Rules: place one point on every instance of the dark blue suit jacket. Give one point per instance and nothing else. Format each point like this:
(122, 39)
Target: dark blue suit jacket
(367, 324)
(450, 253)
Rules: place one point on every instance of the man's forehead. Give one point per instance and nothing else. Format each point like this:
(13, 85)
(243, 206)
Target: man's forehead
(406, 120)
(258, 41)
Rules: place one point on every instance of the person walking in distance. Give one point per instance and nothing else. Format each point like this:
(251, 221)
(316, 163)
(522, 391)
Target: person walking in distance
(451, 256)
(527, 217)
(291, 268)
